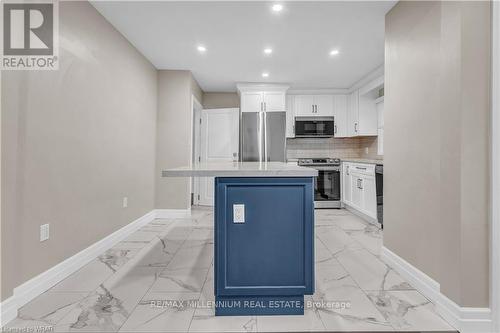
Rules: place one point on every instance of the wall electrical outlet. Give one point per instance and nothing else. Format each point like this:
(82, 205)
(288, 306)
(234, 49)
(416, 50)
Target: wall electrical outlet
(44, 232)
(125, 202)
(238, 213)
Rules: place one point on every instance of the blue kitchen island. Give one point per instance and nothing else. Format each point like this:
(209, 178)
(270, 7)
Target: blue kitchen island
(264, 235)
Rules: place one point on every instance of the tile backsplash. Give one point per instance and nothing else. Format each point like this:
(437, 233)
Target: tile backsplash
(332, 147)
(369, 147)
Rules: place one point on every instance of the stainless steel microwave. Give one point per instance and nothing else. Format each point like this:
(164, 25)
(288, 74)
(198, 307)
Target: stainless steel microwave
(314, 127)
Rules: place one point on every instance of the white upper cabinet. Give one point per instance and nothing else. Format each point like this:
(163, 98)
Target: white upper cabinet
(380, 112)
(362, 119)
(314, 105)
(274, 101)
(367, 113)
(324, 105)
(380, 122)
(290, 116)
(251, 101)
(304, 105)
(340, 114)
(352, 114)
(262, 97)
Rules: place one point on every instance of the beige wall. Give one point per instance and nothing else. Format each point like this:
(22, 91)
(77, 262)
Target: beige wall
(174, 136)
(437, 81)
(74, 143)
(213, 100)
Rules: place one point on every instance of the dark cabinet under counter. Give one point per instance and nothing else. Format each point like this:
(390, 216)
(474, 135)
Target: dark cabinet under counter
(264, 245)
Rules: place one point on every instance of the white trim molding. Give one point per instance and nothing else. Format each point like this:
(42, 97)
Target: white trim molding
(362, 215)
(495, 170)
(464, 319)
(46, 280)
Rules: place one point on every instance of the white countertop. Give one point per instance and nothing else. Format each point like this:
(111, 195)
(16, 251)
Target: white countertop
(363, 160)
(241, 169)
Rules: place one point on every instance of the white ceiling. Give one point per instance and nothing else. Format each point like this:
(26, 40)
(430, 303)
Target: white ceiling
(235, 34)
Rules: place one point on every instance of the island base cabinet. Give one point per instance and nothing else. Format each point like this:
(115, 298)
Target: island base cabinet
(259, 305)
(264, 245)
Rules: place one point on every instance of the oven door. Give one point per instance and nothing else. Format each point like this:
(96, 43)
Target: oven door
(307, 127)
(327, 184)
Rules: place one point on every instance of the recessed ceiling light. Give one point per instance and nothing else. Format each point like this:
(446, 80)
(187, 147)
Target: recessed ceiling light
(268, 51)
(277, 7)
(201, 48)
(265, 74)
(334, 52)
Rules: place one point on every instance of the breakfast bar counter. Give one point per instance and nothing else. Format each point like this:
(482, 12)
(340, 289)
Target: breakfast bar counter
(241, 169)
(264, 235)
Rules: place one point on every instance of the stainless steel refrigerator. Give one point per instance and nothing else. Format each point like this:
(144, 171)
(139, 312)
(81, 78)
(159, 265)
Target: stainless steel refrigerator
(263, 136)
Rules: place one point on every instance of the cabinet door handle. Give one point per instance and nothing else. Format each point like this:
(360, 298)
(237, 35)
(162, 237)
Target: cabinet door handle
(312, 106)
(356, 127)
(335, 131)
(360, 183)
(316, 107)
(347, 170)
(360, 168)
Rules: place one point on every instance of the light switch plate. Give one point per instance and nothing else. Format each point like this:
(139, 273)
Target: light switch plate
(238, 213)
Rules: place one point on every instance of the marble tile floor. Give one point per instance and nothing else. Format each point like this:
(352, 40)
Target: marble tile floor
(151, 281)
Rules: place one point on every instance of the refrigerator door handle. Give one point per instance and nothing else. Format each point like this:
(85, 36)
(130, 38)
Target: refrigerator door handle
(265, 138)
(259, 119)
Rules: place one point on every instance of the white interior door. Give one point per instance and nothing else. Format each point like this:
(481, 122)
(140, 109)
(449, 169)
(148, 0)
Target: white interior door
(219, 131)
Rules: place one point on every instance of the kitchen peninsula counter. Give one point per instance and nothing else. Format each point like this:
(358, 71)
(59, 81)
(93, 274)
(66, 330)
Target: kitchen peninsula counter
(241, 169)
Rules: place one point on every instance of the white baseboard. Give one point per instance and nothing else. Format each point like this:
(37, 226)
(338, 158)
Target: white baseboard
(361, 214)
(8, 310)
(46, 280)
(422, 282)
(464, 319)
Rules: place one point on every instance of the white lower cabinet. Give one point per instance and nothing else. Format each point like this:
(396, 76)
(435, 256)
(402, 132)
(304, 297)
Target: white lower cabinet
(358, 190)
(346, 184)
(369, 194)
(356, 196)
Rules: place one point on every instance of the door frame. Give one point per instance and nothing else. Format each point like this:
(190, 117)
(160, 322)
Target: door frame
(495, 171)
(196, 108)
